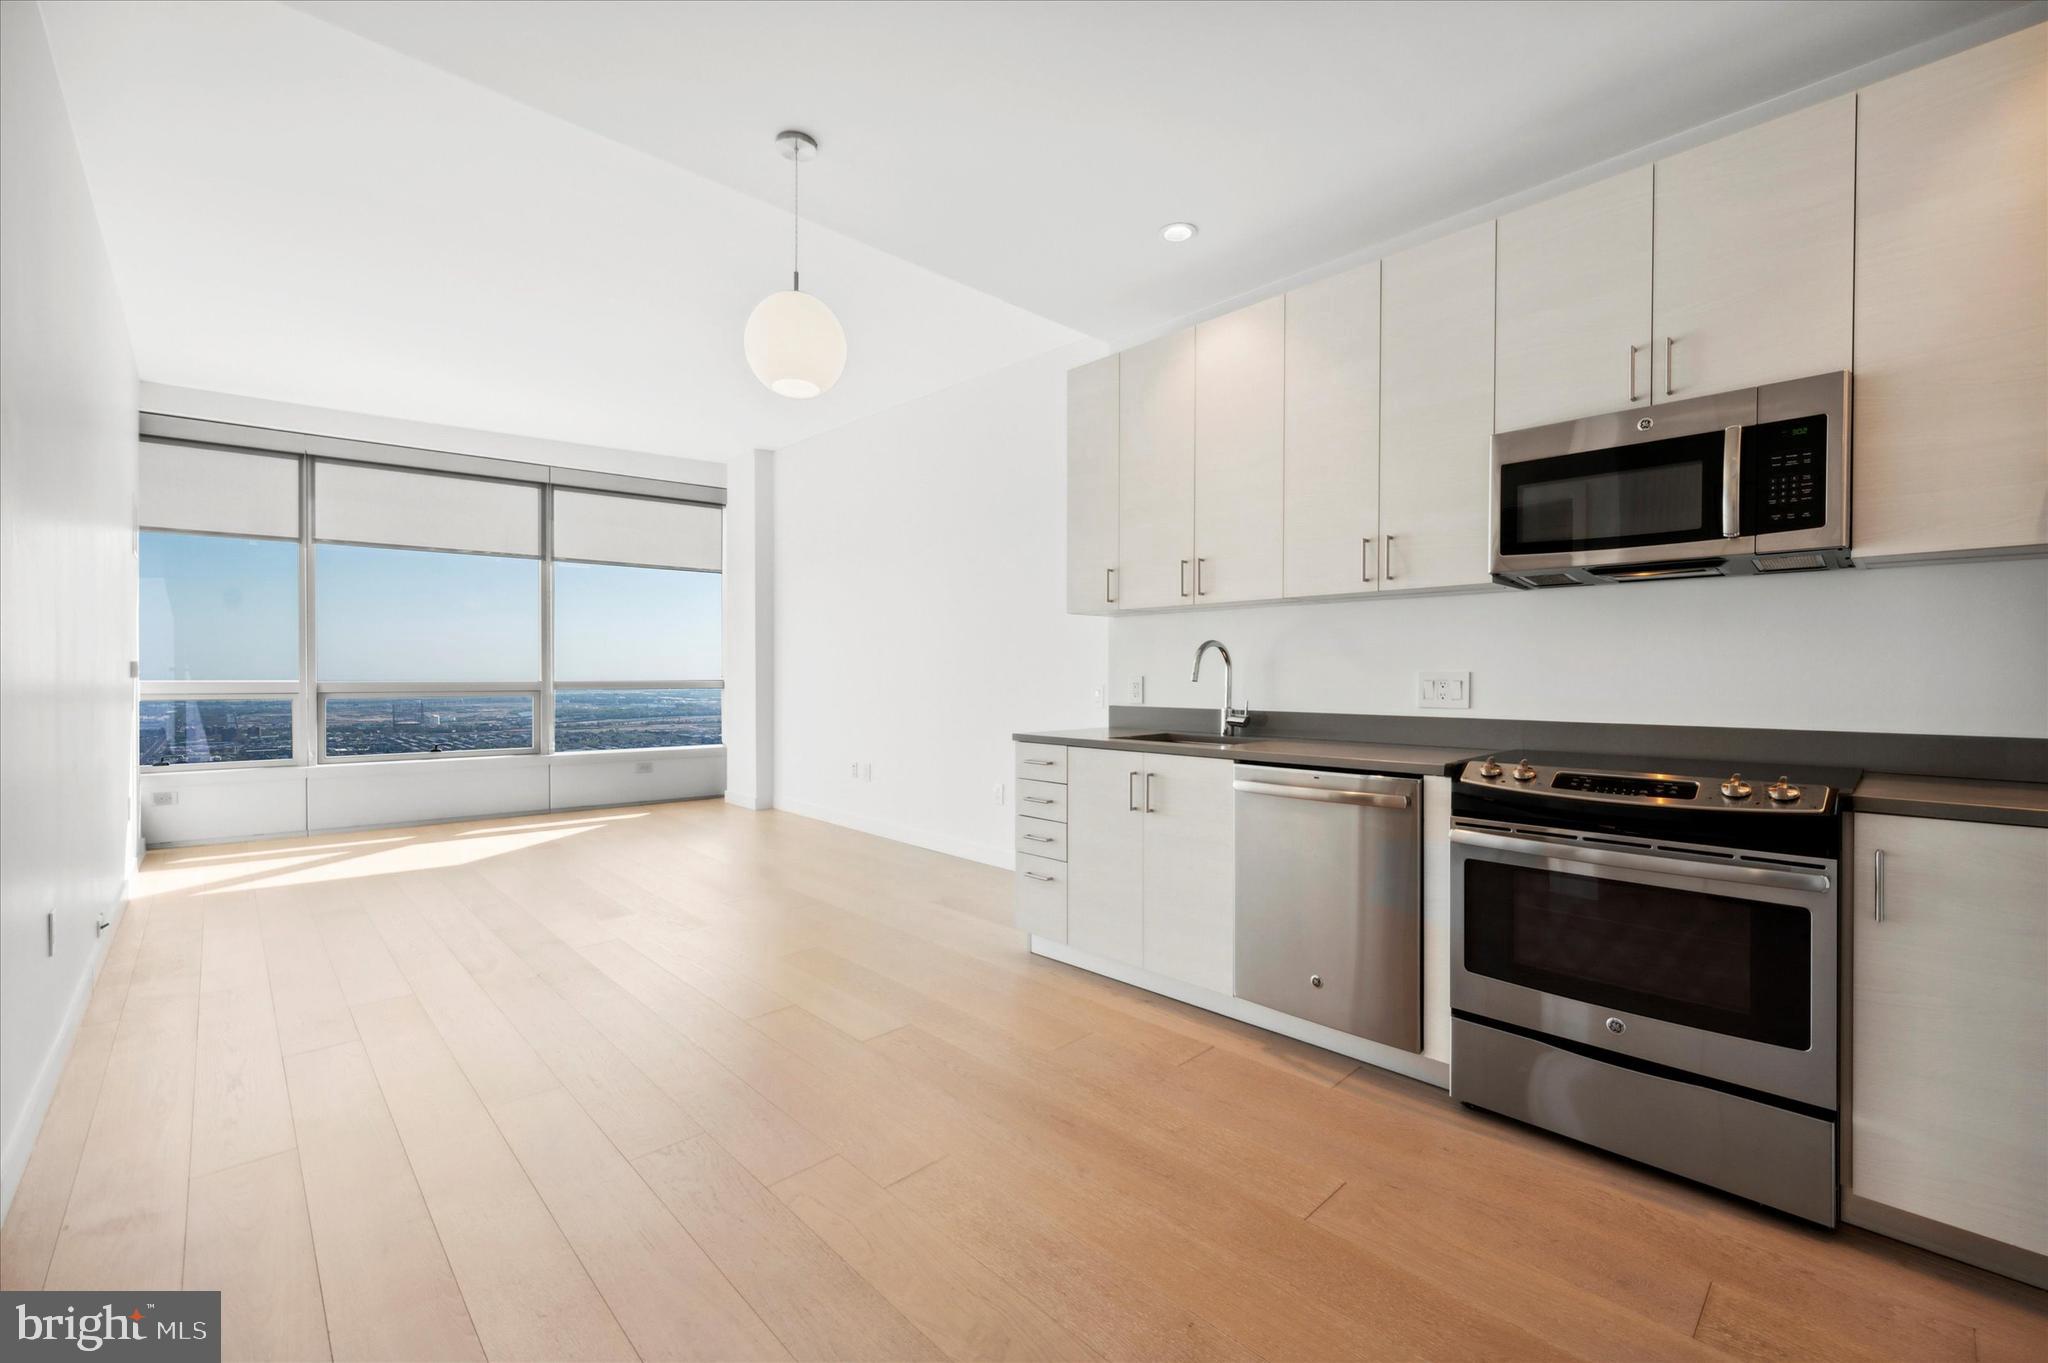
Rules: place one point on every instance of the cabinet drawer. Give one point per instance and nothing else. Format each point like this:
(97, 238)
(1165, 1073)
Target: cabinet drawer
(1042, 800)
(1042, 838)
(1041, 762)
(1042, 897)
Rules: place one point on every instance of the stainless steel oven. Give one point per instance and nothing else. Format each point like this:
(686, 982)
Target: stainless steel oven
(1750, 481)
(1645, 962)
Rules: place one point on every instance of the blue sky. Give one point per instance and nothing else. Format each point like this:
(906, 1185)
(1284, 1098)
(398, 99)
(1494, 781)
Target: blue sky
(221, 609)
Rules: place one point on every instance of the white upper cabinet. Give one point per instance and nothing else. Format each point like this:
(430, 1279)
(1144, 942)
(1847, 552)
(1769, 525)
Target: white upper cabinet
(1156, 474)
(1091, 487)
(1573, 334)
(1436, 411)
(1240, 367)
(1332, 475)
(1951, 425)
(1754, 256)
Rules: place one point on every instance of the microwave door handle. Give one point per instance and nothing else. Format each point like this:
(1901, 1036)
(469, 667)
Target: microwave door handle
(1731, 483)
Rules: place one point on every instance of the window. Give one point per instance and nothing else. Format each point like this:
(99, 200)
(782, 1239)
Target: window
(384, 726)
(616, 625)
(424, 600)
(176, 733)
(217, 608)
(416, 615)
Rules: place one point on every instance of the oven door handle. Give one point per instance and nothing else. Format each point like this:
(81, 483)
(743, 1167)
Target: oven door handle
(1563, 855)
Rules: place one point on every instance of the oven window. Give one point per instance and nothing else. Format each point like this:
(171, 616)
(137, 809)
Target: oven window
(1658, 492)
(1733, 966)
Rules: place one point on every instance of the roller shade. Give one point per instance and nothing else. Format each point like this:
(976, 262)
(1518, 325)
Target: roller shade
(221, 492)
(598, 527)
(362, 504)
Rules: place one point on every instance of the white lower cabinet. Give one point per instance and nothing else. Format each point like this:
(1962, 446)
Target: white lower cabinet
(1150, 867)
(1190, 870)
(1106, 854)
(1948, 1095)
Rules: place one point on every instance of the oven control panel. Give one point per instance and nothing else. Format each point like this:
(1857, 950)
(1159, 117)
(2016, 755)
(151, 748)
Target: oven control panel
(1534, 779)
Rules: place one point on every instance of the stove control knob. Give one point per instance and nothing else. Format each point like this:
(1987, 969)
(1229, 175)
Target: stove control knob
(1782, 790)
(1523, 771)
(1490, 769)
(1735, 788)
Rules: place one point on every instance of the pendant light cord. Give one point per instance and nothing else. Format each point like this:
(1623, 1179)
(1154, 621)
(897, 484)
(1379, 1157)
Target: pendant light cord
(796, 221)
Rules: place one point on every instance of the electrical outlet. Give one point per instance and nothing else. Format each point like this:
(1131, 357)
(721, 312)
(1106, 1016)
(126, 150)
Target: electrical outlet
(1137, 691)
(854, 772)
(1096, 697)
(867, 771)
(163, 797)
(1443, 690)
(1002, 793)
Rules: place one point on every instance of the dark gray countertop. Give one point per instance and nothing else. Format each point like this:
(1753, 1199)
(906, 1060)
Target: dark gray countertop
(1944, 797)
(1400, 759)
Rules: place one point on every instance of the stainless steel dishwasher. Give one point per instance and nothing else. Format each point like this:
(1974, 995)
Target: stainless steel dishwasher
(1329, 899)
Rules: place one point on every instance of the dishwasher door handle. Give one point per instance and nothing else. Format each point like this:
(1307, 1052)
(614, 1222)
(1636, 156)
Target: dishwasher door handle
(1328, 797)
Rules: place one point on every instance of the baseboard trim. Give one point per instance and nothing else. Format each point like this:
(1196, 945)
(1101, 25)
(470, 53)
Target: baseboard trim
(1941, 1238)
(1409, 1063)
(21, 1138)
(988, 854)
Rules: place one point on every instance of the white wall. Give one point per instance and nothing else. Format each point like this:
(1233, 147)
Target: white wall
(67, 586)
(1956, 648)
(920, 610)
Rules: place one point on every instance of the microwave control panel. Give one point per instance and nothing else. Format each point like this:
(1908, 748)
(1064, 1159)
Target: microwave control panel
(1784, 475)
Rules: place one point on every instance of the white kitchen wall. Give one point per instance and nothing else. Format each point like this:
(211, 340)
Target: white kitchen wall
(67, 588)
(1948, 649)
(920, 610)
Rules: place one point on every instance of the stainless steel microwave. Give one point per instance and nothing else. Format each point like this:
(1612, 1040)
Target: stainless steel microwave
(1750, 481)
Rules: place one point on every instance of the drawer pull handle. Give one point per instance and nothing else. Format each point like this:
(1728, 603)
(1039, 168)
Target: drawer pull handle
(1038, 837)
(1033, 875)
(1039, 800)
(1039, 762)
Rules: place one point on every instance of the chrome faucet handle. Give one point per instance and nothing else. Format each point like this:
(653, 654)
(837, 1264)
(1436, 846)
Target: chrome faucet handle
(1236, 717)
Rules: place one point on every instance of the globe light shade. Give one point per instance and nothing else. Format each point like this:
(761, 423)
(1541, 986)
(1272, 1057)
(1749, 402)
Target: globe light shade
(795, 345)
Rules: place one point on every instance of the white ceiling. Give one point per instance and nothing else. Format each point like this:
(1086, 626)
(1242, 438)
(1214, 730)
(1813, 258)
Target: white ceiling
(552, 218)
(1033, 150)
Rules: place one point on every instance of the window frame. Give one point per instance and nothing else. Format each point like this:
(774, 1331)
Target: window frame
(309, 694)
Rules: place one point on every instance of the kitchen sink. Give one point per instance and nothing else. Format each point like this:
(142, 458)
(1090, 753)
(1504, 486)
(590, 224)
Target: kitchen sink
(1193, 740)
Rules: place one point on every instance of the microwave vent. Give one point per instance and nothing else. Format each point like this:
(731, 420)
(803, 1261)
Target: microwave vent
(1791, 563)
(1550, 579)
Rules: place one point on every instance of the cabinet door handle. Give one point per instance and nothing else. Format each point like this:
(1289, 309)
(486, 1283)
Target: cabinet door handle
(1669, 342)
(1183, 577)
(1389, 573)
(1365, 559)
(1038, 800)
(1109, 586)
(1037, 837)
(1632, 372)
(1198, 575)
(1877, 886)
(1148, 792)
(1033, 875)
(1131, 793)
(1039, 762)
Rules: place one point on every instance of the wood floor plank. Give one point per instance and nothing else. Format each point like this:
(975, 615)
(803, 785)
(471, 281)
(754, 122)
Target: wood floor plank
(961, 1306)
(385, 1282)
(362, 963)
(816, 1305)
(241, 1110)
(124, 1225)
(250, 1239)
(528, 1294)
(671, 1300)
(305, 996)
(37, 1212)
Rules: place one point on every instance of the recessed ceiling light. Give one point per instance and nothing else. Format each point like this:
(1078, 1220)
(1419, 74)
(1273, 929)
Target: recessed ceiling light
(1179, 231)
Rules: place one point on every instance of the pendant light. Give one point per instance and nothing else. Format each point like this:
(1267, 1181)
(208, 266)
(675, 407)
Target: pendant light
(793, 342)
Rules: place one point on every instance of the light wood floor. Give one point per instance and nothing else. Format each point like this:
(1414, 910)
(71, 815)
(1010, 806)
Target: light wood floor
(692, 1082)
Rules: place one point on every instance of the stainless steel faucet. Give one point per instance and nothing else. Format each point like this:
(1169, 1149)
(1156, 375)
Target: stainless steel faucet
(1231, 719)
